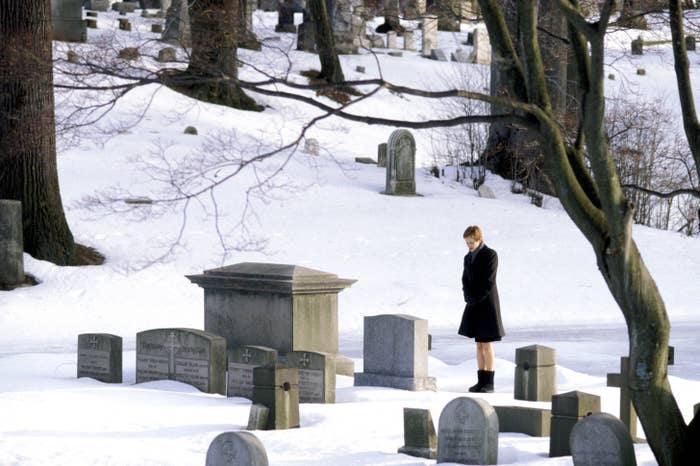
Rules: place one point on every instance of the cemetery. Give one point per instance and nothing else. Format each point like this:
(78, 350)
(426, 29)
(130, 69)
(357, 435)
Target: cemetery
(306, 313)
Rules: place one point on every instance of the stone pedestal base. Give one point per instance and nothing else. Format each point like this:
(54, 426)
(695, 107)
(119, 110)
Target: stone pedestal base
(414, 384)
(430, 453)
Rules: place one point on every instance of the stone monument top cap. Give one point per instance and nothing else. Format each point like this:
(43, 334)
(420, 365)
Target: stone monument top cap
(274, 278)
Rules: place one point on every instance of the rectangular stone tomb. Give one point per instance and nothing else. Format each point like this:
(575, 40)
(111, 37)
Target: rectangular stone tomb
(524, 420)
(316, 376)
(419, 434)
(100, 357)
(241, 362)
(567, 409)
(186, 355)
(535, 373)
(277, 387)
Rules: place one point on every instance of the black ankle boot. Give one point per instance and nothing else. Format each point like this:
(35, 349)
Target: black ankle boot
(487, 385)
(479, 383)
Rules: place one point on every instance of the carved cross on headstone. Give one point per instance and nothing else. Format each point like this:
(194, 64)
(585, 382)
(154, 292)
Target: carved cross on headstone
(172, 345)
(94, 342)
(305, 360)
(246, 356)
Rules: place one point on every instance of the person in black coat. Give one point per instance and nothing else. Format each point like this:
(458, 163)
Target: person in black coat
(481, 319)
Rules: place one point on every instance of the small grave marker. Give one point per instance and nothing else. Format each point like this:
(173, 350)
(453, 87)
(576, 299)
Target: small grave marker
(277, 387)
(401, 163)
(241, 362)
(468, 432)
(257, 419)
(419, 434)
(100, 357)
(236, 449)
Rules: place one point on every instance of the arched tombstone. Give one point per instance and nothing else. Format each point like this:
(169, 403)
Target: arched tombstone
(601, 440)
(401, 163)
(11, 244)
(468, 432)
(236, 449)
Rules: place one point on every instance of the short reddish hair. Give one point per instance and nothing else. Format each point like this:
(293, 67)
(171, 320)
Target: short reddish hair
(474, 232)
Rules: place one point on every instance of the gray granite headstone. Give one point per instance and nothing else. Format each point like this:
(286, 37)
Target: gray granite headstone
(285, 307)
(401, 163)
(257, 419)
(11, 244)
(419, 434)
(468, 432)
(316, 376)
(395, 353)
(567, 409)
(524, 420)
(67, 21)
(100, 357)
(381, 155)
(535, 373)
(601, 440)
(277, 387)
(186, 355)
(241, 362)
(236, 449)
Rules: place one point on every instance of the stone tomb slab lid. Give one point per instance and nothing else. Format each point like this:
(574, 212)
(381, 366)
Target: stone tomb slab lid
(575, 404)
(276, 278)
(535, 356)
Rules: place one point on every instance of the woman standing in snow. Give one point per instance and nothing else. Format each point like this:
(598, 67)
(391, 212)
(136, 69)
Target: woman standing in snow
(481, 319)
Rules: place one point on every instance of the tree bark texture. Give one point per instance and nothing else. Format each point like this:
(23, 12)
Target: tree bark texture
(331, 70)
(28, 170)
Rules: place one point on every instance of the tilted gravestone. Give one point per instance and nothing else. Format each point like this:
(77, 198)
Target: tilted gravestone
(67, 21)
(430, 35)
(100, 357)
(524, 420)
(257, 419)
(468, 432)
(236, 449)
(186, 355)
(316, 376)
(381, 155)
(401, 163)
(11, 244)
(241, 362)
(285, 307)
(277, 387)
(395, 351)
(567, 409)
(601, 440)
(535, 373)
(419, 434)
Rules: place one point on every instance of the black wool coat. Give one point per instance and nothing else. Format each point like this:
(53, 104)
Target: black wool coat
(482, 314)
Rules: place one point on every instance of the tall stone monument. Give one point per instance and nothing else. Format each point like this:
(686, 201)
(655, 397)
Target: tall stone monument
(535, 373)
(67, 21)
(285, 307)
(401, 164)
(11, 244)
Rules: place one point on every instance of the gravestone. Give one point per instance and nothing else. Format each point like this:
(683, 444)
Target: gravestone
(186, 355)
(100, 357)
(391, 39)
(535, 373)
(524, 420)
(690, 43)
(486, 192)
(481, 53)
(67, 21)
(468, 432)
(376, 41)
(157, 28)
(567, 409)
(438, 54)
(381, 155)
(124, 25)
(401, 164)
(316, 376)
(419, 434)
(91, 14)
(241, 362)
(91, 23)
(177, 24)
(348, 25)
(127, 7)
(236, 449)
(395, 352)
(461, 56)
(99, 5)
(11, 244)
(285, 15)
(430, 34)
(129, 53)
(257, 419)
(408, 41)
(277, 387)
(601, 440)
(285, 307)
(638, 46)
(167, 54)
(306, 36)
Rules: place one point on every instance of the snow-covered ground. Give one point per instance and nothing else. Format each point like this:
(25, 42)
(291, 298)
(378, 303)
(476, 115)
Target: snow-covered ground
(327, 213)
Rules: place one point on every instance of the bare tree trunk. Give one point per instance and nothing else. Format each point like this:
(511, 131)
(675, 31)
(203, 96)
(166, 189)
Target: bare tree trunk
(331, 69)
(27, 132)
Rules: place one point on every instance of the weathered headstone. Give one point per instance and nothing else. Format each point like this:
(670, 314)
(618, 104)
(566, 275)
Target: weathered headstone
(124, 24)
(257, 419)
(468, 432)
(481, 53)
(395, 353)
(637, 46)
(381, 155)
(99, 5)
(100, 357)
(285, 307)
(167, 54)
(401, 163)
(348, 25)
(524, 420)
(186, 355)
(461, 56)
(438, 54)
(157, 28)
(67, 21)
(690, 43)
(408, 41)
(567, 409)
(535, 373)
(11, 244)
(277, 387)
(601, 440)
(285, 15)
(177, 24)
(419, 433)
(241, 362)
(306, 36)
(236, 449)
(430, 34)
(316, 376)
(391, 39)
(129, 53)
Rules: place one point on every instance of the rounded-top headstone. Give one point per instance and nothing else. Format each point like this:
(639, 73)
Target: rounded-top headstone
(468, 432)
(236, 449)
(601, 440)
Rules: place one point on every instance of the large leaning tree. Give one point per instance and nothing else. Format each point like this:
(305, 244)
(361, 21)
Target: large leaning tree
(28, 170)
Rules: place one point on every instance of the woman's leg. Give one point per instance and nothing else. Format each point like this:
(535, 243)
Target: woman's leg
(480, 355)
(488, 356)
